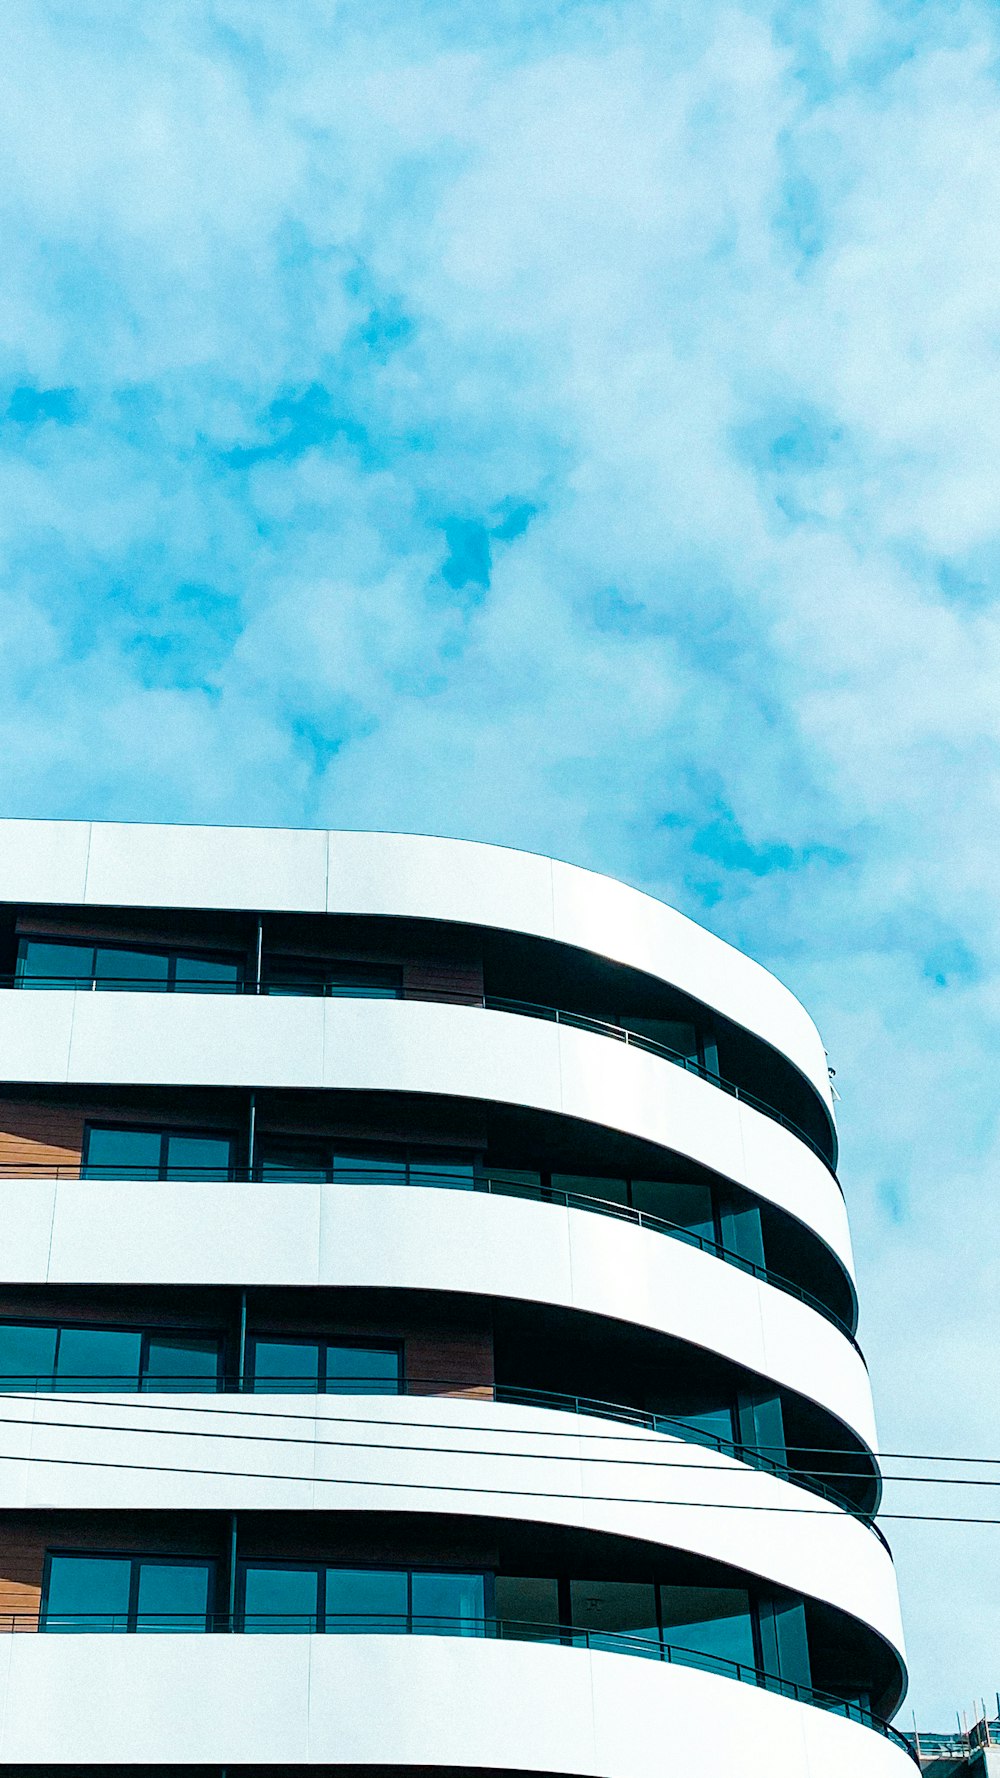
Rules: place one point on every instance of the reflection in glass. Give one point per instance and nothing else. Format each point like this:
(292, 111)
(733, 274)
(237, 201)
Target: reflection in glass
(147, 970)
(181, 1361)
(713, 1623)
(99, 1358)
(122, 1154)
(205, 975)
(364, 1600)
(286, 1367)
(368, 1370)
(686, 1206)
(592, 1185)
(172, 1596)
(199, 1157)
(370, 1169)
(27, 1356)
(280, 1600)
(87, 1593)
(43, 965)
(625, 1608)
(448, 1604)
(443, 1169)
(306, 1165)
(527, 1599)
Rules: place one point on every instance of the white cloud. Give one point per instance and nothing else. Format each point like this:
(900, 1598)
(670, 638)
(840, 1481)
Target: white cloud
(713, 287)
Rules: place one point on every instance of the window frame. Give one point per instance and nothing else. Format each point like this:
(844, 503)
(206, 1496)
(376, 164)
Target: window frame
(135, 1559)
(164, 1133)
(171, 954)
(218, 1334)
(322, 1343)
(323, 1568)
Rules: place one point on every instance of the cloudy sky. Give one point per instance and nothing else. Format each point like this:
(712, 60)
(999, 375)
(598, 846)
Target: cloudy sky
(572, 423)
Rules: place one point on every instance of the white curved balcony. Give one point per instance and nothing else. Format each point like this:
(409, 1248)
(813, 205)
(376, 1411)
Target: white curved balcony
(440, 1455)
(416, 1047)
(405, 875)
(64, 1231)
(420, 1701)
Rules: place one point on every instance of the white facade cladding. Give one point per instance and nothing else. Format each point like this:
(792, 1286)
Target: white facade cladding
(427, 1304)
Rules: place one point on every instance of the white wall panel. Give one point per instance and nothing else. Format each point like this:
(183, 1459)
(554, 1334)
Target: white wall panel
(406, 875)
(408, 1237)
(439, 1455)
(412, 1701)
(415, 1046)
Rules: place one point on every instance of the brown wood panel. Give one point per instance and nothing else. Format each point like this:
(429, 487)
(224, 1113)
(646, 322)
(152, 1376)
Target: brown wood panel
(440, 979)
(40, 1137)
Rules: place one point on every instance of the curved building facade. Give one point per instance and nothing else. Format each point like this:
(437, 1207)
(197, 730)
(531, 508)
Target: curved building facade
(427, 1326)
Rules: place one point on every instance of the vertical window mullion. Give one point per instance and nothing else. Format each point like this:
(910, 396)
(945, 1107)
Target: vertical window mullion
(55, 1359)
(133, 1594)
(321, 1599)
(164, 1154)
(409, 1601)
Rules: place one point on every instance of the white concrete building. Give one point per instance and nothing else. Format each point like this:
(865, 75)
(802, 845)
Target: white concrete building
(427, 1326)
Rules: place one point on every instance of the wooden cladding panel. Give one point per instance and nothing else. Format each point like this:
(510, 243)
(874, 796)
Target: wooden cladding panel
(40, 1137)
(440, 980)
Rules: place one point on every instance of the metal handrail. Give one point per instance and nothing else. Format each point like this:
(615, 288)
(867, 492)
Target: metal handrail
(481, 1182)
(493, 1002)
(493, 1628)
(505, 1394)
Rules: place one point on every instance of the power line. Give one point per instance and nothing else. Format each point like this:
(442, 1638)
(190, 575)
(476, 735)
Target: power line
(649, 1438)
(448, 1487)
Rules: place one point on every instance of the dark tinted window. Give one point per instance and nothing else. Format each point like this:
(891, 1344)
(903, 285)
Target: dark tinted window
(41, 964)
(155, 1154)
(122, 1154)
(27, 1356)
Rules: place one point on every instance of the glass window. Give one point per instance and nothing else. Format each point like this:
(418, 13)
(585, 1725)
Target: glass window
(527, 1599)
(27, 1356)
(206, 975)
(199, 1157)
(99, 1358)
(370, 1169)
(614, 1607)
(363, 1370)
(304, 1164)
(87, 1593)
(280, 1600)
(118, 968)
(448, 1604)
(366, 1599)
(286, 1367)
(293, 975)
(677, 1035)
(741, 1232)
(41, 964)
(443, 1169)
(364, 981)
(121, 1154)
(592, 1185)
(688, 1207)
(712, 1623)
(172, 1596)
(528, 1177)
(181, 1361)
(784, 1641)
(711, 1419)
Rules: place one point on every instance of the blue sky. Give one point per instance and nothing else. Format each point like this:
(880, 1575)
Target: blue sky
(574, 424)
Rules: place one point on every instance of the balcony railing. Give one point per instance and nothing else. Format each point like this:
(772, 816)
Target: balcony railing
(528, 1009)
(496, 1184)
(61, 1383)
(646, 1647)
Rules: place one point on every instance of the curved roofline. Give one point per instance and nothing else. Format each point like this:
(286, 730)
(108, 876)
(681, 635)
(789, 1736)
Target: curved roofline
(325, 870)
